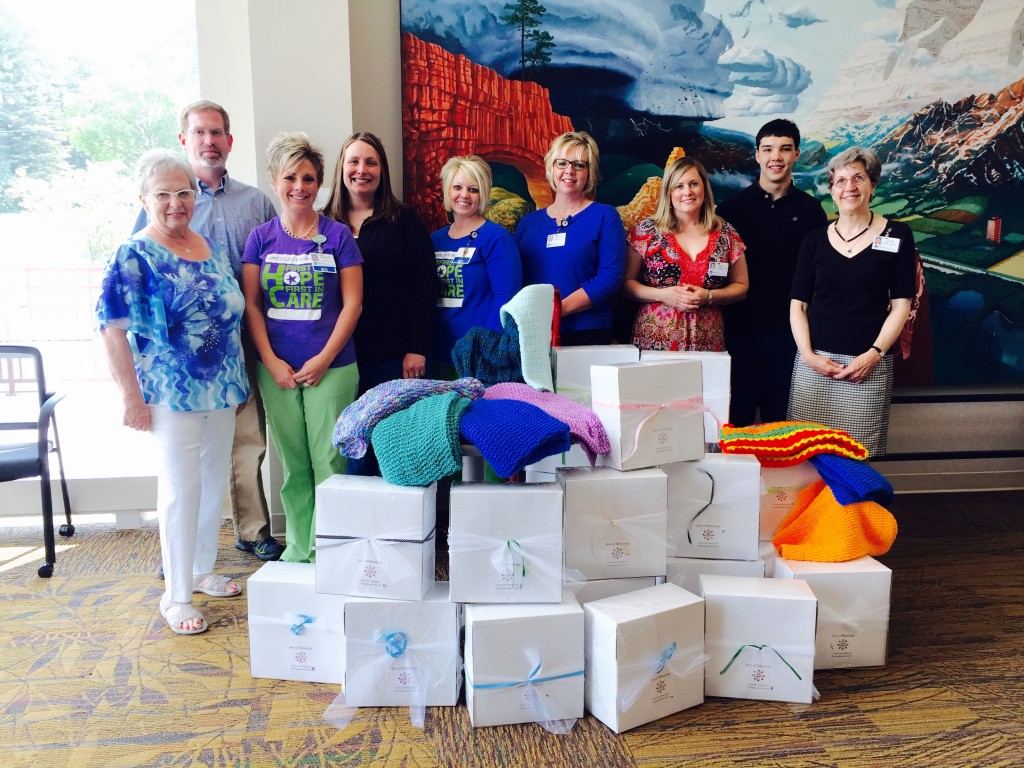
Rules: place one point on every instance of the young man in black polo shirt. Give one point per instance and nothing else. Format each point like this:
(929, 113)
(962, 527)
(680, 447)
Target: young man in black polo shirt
(772, 216)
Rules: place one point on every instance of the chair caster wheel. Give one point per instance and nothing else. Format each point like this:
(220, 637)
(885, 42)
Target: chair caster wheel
(66, 530)
(45, 570)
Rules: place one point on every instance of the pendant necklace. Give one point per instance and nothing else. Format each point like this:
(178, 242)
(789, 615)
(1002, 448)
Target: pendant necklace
(835, 227)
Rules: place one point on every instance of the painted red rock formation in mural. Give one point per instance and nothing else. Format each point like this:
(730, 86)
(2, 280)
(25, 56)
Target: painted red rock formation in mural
(452, 106)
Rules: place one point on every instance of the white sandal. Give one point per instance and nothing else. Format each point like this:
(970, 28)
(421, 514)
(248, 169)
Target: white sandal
(215, 585)
(177, 614)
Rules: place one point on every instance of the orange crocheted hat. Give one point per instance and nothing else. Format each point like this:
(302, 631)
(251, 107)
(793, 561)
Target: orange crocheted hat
(822, 530)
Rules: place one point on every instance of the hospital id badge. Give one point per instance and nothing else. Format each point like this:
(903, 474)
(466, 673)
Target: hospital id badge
(888, 244)
(323, 262)
(718, 269)
(556, 240)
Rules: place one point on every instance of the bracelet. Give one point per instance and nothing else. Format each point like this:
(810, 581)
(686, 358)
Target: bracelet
(880, 352)
(709, 297)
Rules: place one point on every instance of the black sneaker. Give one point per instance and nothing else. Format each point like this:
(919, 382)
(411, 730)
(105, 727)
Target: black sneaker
(266, 549)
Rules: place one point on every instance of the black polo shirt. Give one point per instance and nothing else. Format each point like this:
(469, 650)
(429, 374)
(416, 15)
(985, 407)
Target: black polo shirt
(773, 231)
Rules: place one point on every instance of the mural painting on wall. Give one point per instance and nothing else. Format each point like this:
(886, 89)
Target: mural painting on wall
(936, 87)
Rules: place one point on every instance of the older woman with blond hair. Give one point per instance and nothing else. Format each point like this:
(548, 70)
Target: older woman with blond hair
(170, 313)
(477, 260)
(682, 265)
(851, 295)
(303, 288)
(576, 244)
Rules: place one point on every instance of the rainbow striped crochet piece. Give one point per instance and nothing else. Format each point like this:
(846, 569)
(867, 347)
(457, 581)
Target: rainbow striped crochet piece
(785, 443)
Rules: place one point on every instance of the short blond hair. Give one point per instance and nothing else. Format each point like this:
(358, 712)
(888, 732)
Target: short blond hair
(476, 170)
(287, 150)
(572, 140)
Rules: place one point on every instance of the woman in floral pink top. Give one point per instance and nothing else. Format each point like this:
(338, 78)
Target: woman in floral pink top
(682, 264)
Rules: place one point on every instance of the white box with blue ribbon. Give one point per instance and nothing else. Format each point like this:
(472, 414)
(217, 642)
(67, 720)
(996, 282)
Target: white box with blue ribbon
(403, 653)
(759, 636)
(713, 507)
(374, 539)
(644, 655)
(295, 633)
(505, 543)
(524, 663)
(614, 521)
(653, 413)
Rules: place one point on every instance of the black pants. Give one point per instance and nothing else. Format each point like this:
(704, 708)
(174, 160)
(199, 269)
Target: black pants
(762, 368)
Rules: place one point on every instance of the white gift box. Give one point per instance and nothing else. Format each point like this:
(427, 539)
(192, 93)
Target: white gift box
(403, 653)
(374, 539)
(652, 413)
(713, 507)
(759, 635)
(614, 521)
(524, 663)
(644, 655)
(505, 543)
(715, 371)
(598, 589)
(685, 572)
(853, 609)
(294, 632)
(571, 370)
(780, 487)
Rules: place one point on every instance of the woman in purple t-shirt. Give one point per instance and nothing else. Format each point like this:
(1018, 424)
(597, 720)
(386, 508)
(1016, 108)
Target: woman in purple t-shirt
(303, 287)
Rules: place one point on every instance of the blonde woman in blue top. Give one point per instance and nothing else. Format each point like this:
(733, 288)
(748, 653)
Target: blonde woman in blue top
(576, 244)
(477, 260)
(170, 314)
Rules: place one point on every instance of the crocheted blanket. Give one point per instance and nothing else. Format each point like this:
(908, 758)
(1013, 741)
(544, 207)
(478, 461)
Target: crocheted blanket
(585, 428)
(511, 434)
(785, 443)
(851, 480)
(490, 356)
(356, 423)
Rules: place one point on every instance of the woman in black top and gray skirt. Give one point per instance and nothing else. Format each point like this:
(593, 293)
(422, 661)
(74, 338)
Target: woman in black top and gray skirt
(851, 296)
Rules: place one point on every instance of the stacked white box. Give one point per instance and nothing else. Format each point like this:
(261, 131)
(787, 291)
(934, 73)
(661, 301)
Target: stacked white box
(598, 589)
(524, 663)
(403, 653)
(294, 633)
(614, 521)
(760, 638)
(652, 413)
(713, 507)
(571, 371)
(715, 372)
(685, 572)
(853, 609)
(505, 543)
(374, 539)
(779, 488)
(644, 655)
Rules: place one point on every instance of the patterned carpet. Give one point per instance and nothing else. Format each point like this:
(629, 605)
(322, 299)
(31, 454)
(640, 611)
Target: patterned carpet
(93, 677)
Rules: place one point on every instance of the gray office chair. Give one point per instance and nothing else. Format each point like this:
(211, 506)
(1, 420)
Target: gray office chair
(20, 365)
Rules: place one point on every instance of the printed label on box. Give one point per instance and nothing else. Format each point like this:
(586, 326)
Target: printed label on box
(372, 574)
(616, 553)
(299, 658)
(402, 678)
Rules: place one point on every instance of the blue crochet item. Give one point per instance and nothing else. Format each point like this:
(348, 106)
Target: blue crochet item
(511, 434)
(852, 481)
(356, 422)
(489, 356)
(420, 444)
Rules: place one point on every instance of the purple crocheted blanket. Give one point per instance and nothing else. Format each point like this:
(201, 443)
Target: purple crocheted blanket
(585, 429)
(355, 424)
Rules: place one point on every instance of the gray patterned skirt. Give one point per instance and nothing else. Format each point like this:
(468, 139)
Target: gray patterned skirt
(862, 410)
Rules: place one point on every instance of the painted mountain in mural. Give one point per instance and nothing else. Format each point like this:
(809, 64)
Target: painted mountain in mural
(968, 145)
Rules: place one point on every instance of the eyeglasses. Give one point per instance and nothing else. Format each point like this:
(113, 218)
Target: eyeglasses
(842, 181)
(201, 133)
(182, 196)
(577, 165)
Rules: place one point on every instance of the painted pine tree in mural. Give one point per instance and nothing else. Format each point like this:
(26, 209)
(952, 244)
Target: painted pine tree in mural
(535, 44)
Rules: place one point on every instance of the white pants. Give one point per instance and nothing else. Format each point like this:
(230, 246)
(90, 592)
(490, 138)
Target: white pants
(194, 452)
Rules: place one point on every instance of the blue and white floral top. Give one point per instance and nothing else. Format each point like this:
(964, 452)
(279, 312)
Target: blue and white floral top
(184, 324)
